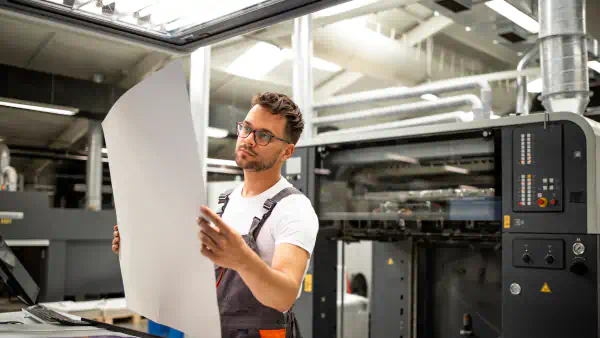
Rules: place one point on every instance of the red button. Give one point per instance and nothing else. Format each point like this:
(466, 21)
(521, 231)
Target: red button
(553, 202)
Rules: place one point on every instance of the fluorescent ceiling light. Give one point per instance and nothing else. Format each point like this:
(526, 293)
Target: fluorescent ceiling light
(429, 97)
(512, 13)
(595, 65)
(316, 62)
(344, 7)
(455, 169)
(44, 109)
(217, 132)
(263, 57)
(401, 158)
(257, 61)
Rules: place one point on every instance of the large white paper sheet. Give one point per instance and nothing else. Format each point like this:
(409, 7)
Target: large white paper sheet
(158, 188)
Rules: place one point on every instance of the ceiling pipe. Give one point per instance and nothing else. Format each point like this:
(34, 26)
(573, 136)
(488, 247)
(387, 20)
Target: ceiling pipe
(398, 93)
(416, 107)
(453, 117)
(523, 104)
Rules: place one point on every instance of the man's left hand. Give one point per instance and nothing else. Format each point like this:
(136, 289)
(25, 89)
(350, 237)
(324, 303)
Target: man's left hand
(222, 244)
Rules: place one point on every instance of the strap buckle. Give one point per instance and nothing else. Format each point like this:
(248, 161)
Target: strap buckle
(269, 204)
(223, 198)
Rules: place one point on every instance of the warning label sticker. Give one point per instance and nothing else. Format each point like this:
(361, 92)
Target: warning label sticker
(390, 261)
(546, 288)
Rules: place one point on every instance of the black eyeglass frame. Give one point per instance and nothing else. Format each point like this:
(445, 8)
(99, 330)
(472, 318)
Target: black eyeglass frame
(271, 136)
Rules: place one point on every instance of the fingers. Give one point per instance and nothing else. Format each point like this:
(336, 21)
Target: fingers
(115, 249)
(116, 234)
(116, 241)
(218, 240)
(216, 220)
(116, 228)
(208, 242)
(205, 251)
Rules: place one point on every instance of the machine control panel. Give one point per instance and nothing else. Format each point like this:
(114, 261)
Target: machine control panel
(537, 167)
(539, 253)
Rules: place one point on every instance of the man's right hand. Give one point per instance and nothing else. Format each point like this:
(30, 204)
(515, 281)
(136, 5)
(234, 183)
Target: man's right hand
(115, 243)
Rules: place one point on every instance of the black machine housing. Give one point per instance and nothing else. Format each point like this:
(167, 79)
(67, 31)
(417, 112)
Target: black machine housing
(518, 261)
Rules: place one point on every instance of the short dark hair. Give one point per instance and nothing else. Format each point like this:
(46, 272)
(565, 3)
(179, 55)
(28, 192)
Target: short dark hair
(281, 104)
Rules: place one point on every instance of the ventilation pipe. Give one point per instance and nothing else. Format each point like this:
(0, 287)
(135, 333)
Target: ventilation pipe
(417, 107)
(522, 94)
(453, 117)
(8, 174)
(94, 167)
(564, 55)
(10, 178)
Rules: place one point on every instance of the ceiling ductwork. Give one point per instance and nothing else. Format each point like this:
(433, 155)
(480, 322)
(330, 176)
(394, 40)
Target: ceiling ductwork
(564, 55)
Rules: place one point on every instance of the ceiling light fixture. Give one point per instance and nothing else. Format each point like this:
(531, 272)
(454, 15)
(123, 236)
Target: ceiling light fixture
(257, 61)
(316, 62)
(468, 29)
(455, 169)
(401, 158)
(515, 15)
(217, 132)
(28, 106)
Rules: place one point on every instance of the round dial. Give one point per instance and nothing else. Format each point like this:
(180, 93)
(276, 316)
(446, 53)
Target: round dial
(515, 288)
(578, 248)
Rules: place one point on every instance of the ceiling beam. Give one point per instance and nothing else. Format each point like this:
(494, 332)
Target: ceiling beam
(336, 84)
(482, 44)
(428, 28)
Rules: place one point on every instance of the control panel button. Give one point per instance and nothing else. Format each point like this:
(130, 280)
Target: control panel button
(553, 202)
(578, 248)
(543, 202)
(549, 259)
(526, 258)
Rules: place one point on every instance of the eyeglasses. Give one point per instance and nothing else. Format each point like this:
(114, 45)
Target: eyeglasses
(260, 137)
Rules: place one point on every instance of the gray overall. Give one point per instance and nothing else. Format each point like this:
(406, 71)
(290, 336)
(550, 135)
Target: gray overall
(242, 315)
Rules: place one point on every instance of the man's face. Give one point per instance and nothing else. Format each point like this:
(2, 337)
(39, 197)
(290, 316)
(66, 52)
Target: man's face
(256, 157)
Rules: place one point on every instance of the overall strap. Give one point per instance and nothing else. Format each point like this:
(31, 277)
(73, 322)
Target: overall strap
(224, 199)
(270, 204)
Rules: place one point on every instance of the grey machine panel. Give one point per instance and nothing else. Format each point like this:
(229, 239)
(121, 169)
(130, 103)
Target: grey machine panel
(550, 287)
(391, 313)
(77, 238)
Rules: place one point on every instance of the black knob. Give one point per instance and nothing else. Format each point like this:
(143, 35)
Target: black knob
(549, 259)
(579, 268)
(526, 257)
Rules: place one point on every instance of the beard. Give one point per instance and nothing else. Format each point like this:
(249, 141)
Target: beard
(253, 164)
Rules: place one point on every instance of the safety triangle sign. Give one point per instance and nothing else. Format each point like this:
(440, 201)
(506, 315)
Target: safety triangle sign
(390, 262)
(546, 288)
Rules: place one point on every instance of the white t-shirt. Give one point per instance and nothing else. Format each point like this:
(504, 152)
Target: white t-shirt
(293, 220)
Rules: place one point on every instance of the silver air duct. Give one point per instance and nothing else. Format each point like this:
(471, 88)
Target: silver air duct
(563, 53)
(8, 174)
(94, 167)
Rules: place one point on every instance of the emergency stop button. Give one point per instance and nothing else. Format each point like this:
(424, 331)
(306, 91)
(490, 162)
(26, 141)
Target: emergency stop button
(543, 202)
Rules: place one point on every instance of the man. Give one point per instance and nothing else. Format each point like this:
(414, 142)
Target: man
(262, 239)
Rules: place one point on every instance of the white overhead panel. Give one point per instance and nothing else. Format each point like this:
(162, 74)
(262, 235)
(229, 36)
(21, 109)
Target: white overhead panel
(174, 25)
